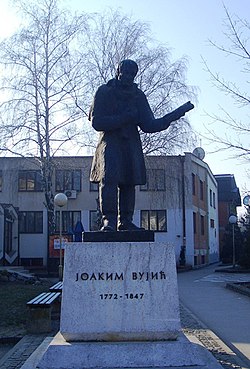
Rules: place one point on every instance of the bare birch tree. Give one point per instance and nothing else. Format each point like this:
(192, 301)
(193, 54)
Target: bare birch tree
(40, 69)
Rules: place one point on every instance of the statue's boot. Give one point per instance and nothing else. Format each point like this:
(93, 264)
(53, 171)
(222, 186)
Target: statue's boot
(126, 209)
(108, 206)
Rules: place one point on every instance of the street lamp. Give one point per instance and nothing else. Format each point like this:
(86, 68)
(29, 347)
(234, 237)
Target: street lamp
(60, 200)
(246, 200)
(233, 220)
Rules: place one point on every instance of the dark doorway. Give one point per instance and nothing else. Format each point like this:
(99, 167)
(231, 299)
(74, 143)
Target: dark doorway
(8, 235)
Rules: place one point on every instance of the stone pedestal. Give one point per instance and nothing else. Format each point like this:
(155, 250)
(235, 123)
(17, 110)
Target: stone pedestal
(119, 292)
(120, 309)
(121, 236)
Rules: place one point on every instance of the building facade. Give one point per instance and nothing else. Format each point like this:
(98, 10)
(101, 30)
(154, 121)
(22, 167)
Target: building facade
(228, 200)
(179, 202)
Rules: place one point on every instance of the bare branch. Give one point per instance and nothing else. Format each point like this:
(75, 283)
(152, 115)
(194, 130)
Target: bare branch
(237, 33)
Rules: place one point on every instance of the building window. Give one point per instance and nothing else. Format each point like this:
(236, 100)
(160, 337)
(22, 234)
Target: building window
(201, 190)
(93, 187)
(94, 220)
(212, 223)
(68, 180)
(154, 220)
(202, 225)
(211, 197)
(193, 184)
(155, 180)
(69, 220)
(194, 223)
(1, 180)
(30, 221)
(29, 180)
(214, 200)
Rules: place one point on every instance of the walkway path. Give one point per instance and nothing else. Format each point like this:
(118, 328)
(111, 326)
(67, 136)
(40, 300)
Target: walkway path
(225, 312)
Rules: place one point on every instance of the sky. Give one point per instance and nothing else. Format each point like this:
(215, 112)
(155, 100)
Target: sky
(186, 28)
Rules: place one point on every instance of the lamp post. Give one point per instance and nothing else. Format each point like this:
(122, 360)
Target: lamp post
(60, 200)
(233, 220)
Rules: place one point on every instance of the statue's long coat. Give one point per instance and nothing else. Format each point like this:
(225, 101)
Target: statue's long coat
(119, 157)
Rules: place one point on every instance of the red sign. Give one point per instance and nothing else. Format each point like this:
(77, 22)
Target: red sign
(54, 245)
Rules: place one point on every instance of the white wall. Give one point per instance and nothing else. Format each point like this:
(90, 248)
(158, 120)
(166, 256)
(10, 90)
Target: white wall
(35, 245)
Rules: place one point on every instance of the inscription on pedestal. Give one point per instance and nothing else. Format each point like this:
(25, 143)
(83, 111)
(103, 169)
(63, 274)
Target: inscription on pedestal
(117, 292)
(106, 276)
(135, 276)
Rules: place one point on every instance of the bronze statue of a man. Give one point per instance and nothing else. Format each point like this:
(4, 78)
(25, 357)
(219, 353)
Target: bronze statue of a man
(118, 109)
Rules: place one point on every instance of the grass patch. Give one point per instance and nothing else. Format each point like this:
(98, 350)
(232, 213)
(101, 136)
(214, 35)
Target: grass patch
(13, 299)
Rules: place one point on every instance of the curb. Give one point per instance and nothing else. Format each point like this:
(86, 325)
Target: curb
(239, 287)
(232, 270)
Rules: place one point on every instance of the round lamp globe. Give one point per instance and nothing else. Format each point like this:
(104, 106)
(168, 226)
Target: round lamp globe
(232, 219)
(60, 199)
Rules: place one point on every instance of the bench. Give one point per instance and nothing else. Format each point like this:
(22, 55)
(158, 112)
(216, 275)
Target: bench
(56, 287)
(39, 312)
